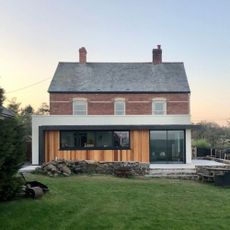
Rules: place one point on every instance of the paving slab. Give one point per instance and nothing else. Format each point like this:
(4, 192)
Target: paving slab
(29, 168)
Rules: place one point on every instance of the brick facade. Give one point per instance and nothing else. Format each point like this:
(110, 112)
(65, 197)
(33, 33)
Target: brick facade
(103, 103)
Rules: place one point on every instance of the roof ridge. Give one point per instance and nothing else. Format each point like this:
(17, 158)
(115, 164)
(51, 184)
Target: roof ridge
(62, 62)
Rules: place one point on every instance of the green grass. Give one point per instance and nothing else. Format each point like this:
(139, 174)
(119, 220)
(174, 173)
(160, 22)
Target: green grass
(105, 202)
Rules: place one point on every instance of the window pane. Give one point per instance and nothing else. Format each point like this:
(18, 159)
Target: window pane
(79, 103)
(85, 139)
(167, 146)
(120, 112)
(94, 139)
(176, 145)
(67, 139)
(159, 112)
(80, 112)
(121, 139)
(79, 107)
(119, 107)
(104, 139)
(158, 141)
(159, 107)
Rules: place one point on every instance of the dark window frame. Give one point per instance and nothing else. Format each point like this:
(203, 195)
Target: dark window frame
(184, 145)
(93, 147)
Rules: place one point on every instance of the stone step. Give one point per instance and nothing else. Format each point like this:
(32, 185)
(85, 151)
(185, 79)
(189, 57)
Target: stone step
(175, 176)
(172, 175)
(172, 171)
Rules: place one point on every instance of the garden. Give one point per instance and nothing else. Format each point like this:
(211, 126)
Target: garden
(108, 202)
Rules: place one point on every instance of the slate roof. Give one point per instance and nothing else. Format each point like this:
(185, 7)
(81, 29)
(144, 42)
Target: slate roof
(119, 77)
(6, 112)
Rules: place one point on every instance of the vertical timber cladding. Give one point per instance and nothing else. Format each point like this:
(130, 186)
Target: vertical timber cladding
(139, 149)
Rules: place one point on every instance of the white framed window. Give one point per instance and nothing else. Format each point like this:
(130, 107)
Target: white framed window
(119, 107)
(159, 106)
(80, 106)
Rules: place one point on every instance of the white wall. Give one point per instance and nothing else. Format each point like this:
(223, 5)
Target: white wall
(188, 146)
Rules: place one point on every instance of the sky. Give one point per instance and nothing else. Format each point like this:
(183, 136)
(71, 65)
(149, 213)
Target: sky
(36, 34)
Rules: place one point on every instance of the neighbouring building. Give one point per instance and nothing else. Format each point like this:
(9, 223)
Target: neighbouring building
(116, 112)
(6, 113)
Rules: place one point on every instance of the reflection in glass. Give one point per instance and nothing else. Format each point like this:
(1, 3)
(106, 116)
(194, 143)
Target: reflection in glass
(167, 146)
(94, 139)
(121, 139)
(104, 139)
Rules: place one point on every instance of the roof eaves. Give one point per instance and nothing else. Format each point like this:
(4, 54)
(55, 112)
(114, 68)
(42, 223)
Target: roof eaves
(122, 92)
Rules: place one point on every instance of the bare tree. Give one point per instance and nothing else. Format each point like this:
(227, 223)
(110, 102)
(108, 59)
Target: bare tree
(14, 105)
(43, 109)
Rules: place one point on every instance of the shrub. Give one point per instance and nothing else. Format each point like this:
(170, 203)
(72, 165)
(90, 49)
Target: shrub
(12, 150)
(201, 143)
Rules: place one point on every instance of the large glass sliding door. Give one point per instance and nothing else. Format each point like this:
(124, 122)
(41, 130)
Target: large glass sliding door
(167, 146)
(158, 146)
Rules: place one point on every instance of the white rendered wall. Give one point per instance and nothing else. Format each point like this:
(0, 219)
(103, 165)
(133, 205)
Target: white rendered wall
(56, 120)
(188, 146)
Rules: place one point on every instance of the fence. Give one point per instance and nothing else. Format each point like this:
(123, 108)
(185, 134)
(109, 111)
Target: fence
(203, 152)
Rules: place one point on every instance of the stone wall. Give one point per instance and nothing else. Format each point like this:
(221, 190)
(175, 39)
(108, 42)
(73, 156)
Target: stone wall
(66, 168)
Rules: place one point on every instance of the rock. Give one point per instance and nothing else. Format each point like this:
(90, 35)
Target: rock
(66, 171)
(76, 169)
(91, 162)
(50, 168)
(66, 168)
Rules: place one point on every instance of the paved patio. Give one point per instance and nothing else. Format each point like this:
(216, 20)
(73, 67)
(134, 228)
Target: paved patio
(206, 163)
(187, 166)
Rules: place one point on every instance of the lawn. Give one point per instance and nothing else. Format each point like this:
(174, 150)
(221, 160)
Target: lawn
(105, 202)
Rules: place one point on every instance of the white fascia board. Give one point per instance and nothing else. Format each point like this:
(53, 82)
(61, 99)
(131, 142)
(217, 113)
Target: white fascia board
(111, 120)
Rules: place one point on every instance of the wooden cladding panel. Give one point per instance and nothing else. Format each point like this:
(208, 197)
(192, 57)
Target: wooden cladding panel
(139, 149)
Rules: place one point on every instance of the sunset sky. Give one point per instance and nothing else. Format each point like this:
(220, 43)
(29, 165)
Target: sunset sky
(36, 34)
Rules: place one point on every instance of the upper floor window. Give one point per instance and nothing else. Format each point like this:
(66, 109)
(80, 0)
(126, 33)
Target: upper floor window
(119, 107)
(159, 106)
(80, 106)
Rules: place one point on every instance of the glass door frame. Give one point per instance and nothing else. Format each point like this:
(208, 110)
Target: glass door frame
(168, 162)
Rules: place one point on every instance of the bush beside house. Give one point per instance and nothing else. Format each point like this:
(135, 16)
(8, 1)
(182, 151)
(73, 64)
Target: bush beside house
(11, 156)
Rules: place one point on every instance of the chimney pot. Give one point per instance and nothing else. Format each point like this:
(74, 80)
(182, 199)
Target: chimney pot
(157, 55)
(82, 55)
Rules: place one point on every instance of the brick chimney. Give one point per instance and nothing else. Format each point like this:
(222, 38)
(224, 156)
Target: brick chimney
(157, 55)
(82, 55)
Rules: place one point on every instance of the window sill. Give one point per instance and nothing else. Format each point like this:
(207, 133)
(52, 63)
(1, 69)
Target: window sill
(94, 148)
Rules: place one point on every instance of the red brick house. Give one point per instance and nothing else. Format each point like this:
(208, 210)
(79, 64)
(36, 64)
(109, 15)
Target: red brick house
(116, 112)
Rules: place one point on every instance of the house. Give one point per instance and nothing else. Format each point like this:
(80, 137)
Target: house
(6, 113)
(116, 112)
